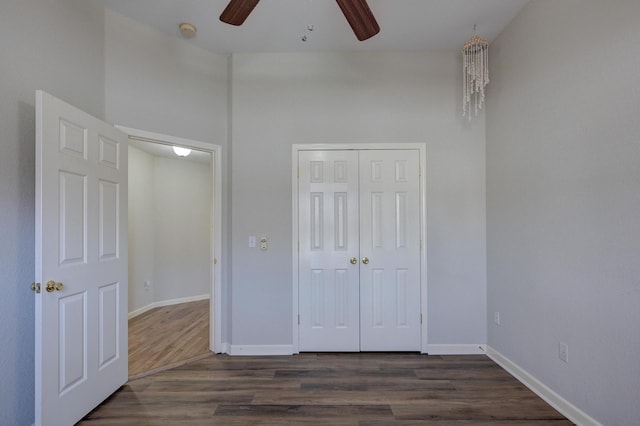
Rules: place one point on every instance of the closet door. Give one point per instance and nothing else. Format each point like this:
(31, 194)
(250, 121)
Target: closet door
(359, 254)
(389, 250)
(328, 254)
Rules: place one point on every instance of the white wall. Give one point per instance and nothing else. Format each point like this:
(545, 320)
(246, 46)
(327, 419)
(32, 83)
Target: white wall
(169, 228)
(182, 204)
(563, 200)
(142, 229)
(159, 83)
(282, 99)
(55, 45)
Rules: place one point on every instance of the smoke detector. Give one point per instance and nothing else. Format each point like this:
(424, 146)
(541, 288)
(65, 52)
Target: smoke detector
(187, 30)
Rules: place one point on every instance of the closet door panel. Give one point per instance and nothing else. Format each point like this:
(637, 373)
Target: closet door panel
(390, 250)
(328, 237)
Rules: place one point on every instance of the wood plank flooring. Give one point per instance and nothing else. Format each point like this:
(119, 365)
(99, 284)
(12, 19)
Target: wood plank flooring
(168, 336)
(363, 389)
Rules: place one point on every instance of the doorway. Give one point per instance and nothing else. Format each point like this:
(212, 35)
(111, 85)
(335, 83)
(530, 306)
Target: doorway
(174, 269)
(360, 269)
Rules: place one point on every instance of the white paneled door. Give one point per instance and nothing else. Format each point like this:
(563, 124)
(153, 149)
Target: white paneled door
(389, 250)
(359, 253)
(329, 267)
(81, 262)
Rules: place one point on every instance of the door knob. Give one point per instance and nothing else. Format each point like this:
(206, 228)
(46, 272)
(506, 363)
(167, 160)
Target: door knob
(365, 260)
(53, 286)
(353, 260)
(35, 287)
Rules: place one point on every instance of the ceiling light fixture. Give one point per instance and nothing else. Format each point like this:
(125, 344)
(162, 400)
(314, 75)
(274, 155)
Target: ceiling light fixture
(181, 152)
(475, 64)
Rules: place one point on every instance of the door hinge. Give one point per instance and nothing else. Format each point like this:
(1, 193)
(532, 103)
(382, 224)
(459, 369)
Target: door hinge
(298, 319)
(298, 172)
(420, 244)
(419, 170)
(420, 318)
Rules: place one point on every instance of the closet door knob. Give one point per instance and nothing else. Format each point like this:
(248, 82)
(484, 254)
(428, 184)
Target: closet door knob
(53, 286)
(353, 260)
(365, 260)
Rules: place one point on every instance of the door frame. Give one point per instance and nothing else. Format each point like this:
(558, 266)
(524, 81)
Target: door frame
(216, 261)
(295, 149)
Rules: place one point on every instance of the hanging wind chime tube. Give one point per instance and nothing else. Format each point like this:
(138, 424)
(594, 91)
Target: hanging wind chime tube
(475, 63)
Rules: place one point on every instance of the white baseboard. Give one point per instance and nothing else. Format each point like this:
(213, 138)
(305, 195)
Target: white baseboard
(260, 350)
(169, 302)
(467, 349)
(566, 408)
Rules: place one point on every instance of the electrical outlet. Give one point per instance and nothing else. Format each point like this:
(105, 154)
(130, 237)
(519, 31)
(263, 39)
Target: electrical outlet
(563, 352)
(147, 285)
(496, 317)
(263, 243)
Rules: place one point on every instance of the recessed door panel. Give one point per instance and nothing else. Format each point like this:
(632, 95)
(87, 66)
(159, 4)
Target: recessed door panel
(73, 341)
(316, 221)
(342, 298)
(73, 139)
(73, 220)
(376, 230)
(402, 300)
(109, 153)
(108, 220)
(317, 298)
(377, 299)
(341, 218)
(109, 324)
(401, 218)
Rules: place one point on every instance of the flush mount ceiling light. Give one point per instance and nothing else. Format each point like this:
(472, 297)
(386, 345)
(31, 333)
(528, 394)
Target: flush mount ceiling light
(475, 63)
(181, 152)
(187, 30)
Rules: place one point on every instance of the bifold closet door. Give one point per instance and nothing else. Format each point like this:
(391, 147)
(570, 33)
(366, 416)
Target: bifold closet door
(359, 254)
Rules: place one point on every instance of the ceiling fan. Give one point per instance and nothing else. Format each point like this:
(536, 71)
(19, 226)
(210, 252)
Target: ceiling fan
(357, 12)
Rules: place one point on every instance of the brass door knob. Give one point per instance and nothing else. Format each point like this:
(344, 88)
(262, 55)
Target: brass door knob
(353, 260)
(53, 286)
(365, 260)
(35, 287)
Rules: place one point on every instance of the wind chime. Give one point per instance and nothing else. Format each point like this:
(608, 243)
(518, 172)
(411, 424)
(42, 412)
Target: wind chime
(475, 63)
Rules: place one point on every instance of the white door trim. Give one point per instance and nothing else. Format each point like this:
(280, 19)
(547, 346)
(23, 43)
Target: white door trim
(215, 317)
(295, 149)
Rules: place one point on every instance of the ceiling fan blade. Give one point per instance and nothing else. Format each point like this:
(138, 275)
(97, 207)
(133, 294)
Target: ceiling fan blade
(360, 18)
(237, 11)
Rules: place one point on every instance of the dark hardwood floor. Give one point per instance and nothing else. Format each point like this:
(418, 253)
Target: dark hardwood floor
(366, 389)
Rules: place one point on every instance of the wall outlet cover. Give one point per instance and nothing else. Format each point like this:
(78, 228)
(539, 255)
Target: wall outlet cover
(563, 352)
